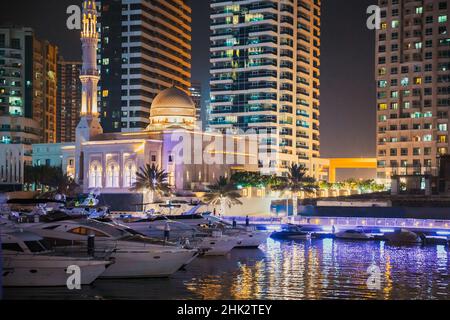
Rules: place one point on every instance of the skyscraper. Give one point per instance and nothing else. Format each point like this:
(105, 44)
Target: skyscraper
(145, 48)
(27, 87)
(196, 95)
(68, 99)
(413, 95)
(265, 58)
(45, 61)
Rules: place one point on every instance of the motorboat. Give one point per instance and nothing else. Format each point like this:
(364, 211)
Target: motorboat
(135, 255)
(192, 220)
(29, 262)
(187, 225)
(215, 243)
(210, 241)
(354, 234)
(248, 236)
(291, 232)
(403, 236)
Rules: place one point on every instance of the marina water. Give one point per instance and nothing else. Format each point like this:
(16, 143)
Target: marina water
(316, 269)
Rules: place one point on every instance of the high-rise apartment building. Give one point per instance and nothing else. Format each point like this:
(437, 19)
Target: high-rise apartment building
(145, 47)
(27, 87)
(45, 62)
(68, 99)
(265, 58)
(413, 93)
(196, 94)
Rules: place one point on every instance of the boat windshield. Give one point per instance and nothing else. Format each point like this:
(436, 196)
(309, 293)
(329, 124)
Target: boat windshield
(11, 247)
(37, 246)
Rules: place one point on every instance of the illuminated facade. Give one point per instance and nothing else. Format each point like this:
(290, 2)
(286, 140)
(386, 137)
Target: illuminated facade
(108, 162)
(45, 61)
(27, 87)
(196, 95)
(68, 99)
(265, 58)
(413, 97)
(145, 48)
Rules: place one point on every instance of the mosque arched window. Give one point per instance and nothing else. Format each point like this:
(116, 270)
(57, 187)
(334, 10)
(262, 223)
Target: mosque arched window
(95, 175)
(112, 175)
(129, 176)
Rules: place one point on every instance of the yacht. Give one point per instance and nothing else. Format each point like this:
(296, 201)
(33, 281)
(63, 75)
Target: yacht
(29, 262)
(248, 236)
(188, 225)
(354, 234)
(292, 232)
(135, 255)
(403, 236)
(210, 241)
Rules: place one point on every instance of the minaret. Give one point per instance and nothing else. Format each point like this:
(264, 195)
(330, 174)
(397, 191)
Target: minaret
(89, 73)
(89, 125)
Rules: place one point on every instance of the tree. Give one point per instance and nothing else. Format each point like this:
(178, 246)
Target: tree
(222, 193)
(64, 184)
(297, 181)
(50, 181)
(350, 184)
(247, 179)
(152, 179)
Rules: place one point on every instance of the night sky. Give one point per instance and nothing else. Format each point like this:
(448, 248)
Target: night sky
(348, 113)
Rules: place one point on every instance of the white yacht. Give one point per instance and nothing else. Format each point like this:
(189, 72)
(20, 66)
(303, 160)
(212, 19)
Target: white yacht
(211, 242)
(354, 234)
(215, 243)
(184, 226)
(29, 262)
(135, 256)
(248, 236)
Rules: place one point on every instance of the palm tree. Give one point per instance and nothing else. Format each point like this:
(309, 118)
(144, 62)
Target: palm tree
(222, 193)
(152, 179)
(295, 182)
(66, 185)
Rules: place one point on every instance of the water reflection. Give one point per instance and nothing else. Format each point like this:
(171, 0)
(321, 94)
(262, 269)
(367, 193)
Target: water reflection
(317, 269)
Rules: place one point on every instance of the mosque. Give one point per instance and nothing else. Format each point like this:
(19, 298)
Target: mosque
(108, 162)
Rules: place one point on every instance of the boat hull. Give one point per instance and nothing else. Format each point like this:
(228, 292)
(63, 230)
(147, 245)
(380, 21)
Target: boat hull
(403, 238)
(353, 237)
(217, 246)
(148, 264)
(252, 240)
(290, 236)
(33, 271)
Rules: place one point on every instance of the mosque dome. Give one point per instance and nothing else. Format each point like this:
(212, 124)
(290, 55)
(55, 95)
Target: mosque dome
(172, 107)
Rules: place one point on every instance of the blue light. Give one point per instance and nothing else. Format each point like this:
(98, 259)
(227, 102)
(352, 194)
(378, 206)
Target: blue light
(387, 230)
(443, 233)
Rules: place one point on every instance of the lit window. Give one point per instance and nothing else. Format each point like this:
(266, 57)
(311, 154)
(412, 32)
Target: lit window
(129, 174)
(95, 175)
(112, 175)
